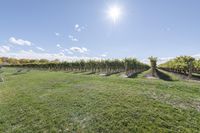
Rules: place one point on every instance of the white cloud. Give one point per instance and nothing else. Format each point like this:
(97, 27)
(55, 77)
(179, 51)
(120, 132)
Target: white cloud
(76, 25)
(4, 49)
(160, 60)
(78, 28)
(163, 60)
(26, 52)
(21, 42)
(84, 49)
(58, 45)
(68, 51)
(73, 38)
(78, 49)
(57, 34)
(41, 49)
(197, 56)
(104, 55)
(72, 50)
(50, 56)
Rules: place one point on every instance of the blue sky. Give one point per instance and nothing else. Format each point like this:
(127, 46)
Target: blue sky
(82, 28)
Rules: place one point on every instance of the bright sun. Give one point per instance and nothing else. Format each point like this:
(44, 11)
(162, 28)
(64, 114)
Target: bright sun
(114, 12)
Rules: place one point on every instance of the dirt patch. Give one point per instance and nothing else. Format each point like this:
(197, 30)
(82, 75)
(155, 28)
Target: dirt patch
(159, 75)
(150, 77)
(102, 74)
(124, 76)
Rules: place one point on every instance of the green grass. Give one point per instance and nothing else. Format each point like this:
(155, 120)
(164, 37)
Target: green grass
(42, 101)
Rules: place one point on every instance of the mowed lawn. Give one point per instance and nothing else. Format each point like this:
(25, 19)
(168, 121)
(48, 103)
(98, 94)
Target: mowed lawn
(43, 101)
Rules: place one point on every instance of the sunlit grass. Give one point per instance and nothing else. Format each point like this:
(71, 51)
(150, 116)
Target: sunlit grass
(43, 101)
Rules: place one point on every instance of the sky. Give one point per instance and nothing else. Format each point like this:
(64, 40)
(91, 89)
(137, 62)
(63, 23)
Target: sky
(73, 29)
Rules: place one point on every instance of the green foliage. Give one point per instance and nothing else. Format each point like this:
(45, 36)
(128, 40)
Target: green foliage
(196, 66)
(128, 65)
(182, 64)
(153, 61)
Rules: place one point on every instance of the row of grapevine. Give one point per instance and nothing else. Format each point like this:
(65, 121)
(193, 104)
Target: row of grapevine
(129, 66)
(182, 64)
(196, 64)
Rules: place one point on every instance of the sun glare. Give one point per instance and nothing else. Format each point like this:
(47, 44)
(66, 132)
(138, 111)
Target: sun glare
(114, 12)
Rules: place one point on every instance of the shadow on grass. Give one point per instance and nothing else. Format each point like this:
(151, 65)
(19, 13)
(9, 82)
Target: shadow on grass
(109, 74)
(21, 71)
(163, 76)
(196, 76)
(67, 71)
(90, 73)
(135, 75)
(182, 76)
(79, 72)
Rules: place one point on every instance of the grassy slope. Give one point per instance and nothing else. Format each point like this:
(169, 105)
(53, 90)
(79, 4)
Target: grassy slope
(41, 101)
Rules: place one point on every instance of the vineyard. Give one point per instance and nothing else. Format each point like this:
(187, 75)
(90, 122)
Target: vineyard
(54, 96)
(56, 101)
(183, 65)
(129, 66)
(99, 66)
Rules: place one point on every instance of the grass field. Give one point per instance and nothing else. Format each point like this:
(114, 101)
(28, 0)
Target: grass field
(43, 101)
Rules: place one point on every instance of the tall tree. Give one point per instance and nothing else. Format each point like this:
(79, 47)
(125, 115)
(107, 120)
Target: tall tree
(153, 61)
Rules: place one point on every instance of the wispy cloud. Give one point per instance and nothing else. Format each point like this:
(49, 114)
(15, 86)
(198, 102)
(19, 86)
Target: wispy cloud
(163, 60)
(78, 28)
(30, 54)
(41, 49)
(168, 29)
(78, 49)
(21, 42)
(26, 52)
(4, 49)
(57, 34)
(58, 45)
(160, 60)
(197, 56)
(73, 38)
(104, 54)
(68, 51)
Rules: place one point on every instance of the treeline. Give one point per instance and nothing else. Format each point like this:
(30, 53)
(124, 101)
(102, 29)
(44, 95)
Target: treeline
(14, 61)
(128, 65)
(183, 64)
